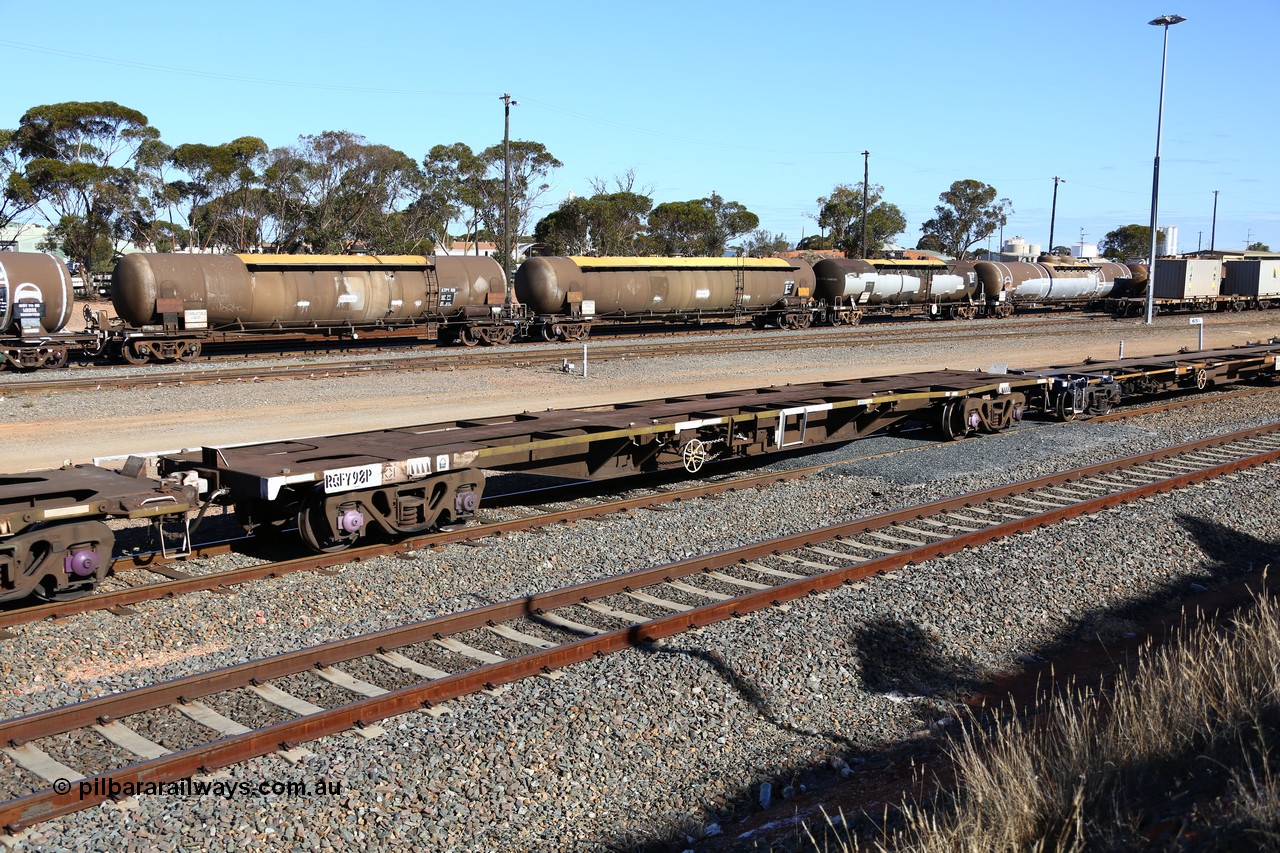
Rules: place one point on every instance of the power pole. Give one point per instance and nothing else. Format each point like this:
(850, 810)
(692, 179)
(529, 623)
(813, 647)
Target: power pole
(507, 103)
(1214, 229)
(865, 172)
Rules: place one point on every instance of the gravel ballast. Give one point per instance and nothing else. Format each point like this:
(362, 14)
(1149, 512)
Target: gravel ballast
(668, 742)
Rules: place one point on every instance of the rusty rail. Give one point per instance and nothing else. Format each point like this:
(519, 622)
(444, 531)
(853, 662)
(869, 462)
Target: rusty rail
(543, 355)
(46, 804)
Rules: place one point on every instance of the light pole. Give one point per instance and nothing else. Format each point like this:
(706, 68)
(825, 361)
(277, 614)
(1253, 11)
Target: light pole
(865, 165)
(1053, 211)
(1213, 229)
(507, 104)
(1165, 21)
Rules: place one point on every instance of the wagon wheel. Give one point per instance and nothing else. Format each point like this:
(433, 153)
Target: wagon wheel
(953, 422)
(58, 358)
(313, 526)
(1065, 407)
(1202, 379)
(134, 352)
(467, 336)
(547, 332)
(190, 353)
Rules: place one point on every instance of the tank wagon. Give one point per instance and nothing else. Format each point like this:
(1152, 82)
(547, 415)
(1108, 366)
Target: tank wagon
(169, 305)
(851, 288)
(1051, 282)
(36, 301)
(566, 296)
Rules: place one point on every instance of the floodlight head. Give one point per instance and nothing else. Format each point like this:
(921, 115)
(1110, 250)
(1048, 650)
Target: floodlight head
(1167, 20)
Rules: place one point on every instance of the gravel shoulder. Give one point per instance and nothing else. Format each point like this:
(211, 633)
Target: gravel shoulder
(79, 426)
(663, 745)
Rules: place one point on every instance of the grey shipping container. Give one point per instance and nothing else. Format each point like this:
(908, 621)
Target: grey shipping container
(1252, 278)
(1179, 278)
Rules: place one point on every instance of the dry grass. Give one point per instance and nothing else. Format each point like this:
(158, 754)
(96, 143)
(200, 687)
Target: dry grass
(1184, 753)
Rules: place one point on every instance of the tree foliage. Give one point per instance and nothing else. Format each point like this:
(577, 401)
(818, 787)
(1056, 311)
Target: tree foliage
(1258, 247)
(604, 224)
(1129, 241)
(765, 244)
(220, 198)
(531, 164)
(699, 228)
(969, 212)
(16, 194)
(841, 214)
(86, 161)
(454, 190)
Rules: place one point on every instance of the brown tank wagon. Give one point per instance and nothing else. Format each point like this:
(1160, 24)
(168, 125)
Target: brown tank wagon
(567, 295)
(851, 288)
(36, 301)
(160, 296)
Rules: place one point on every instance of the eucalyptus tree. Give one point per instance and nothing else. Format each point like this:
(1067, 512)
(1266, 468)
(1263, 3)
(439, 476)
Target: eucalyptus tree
(969, 212)
(16, 195)
(841, 214)
(84, 165)
(699, 227)
(454, 190)
(333, 193)
(221, 195)
(531, 165)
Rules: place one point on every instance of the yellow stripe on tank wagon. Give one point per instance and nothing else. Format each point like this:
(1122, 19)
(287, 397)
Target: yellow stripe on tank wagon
(683, 263)
(349, 261)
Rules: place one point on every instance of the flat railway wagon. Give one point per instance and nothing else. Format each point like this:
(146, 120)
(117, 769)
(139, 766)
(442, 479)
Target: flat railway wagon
(55, 540)
(36, 302)
(1201, 285)
(849, 289)
(1052, 282)
(171, 305)
(566, 296)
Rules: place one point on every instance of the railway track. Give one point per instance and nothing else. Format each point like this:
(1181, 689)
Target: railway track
(177, 582)
(483, 648)
(540, 356)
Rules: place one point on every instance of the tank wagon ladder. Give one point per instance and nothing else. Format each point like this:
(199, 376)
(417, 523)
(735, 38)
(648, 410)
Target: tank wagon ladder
(739, 290)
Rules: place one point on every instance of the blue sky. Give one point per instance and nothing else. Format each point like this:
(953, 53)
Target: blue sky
(768, 104)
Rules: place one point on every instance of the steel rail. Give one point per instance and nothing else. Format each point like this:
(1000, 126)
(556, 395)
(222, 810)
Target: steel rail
(452, 360)
(175, 586)
(50, 803)
(317, 562)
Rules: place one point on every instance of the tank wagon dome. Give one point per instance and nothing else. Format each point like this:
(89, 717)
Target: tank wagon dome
(293, 291)
(35, 293)
(627, 286)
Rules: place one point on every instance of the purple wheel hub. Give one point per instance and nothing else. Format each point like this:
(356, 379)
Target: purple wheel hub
(975, 420)
(82, 563)
(351, 521)
(466, 502)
